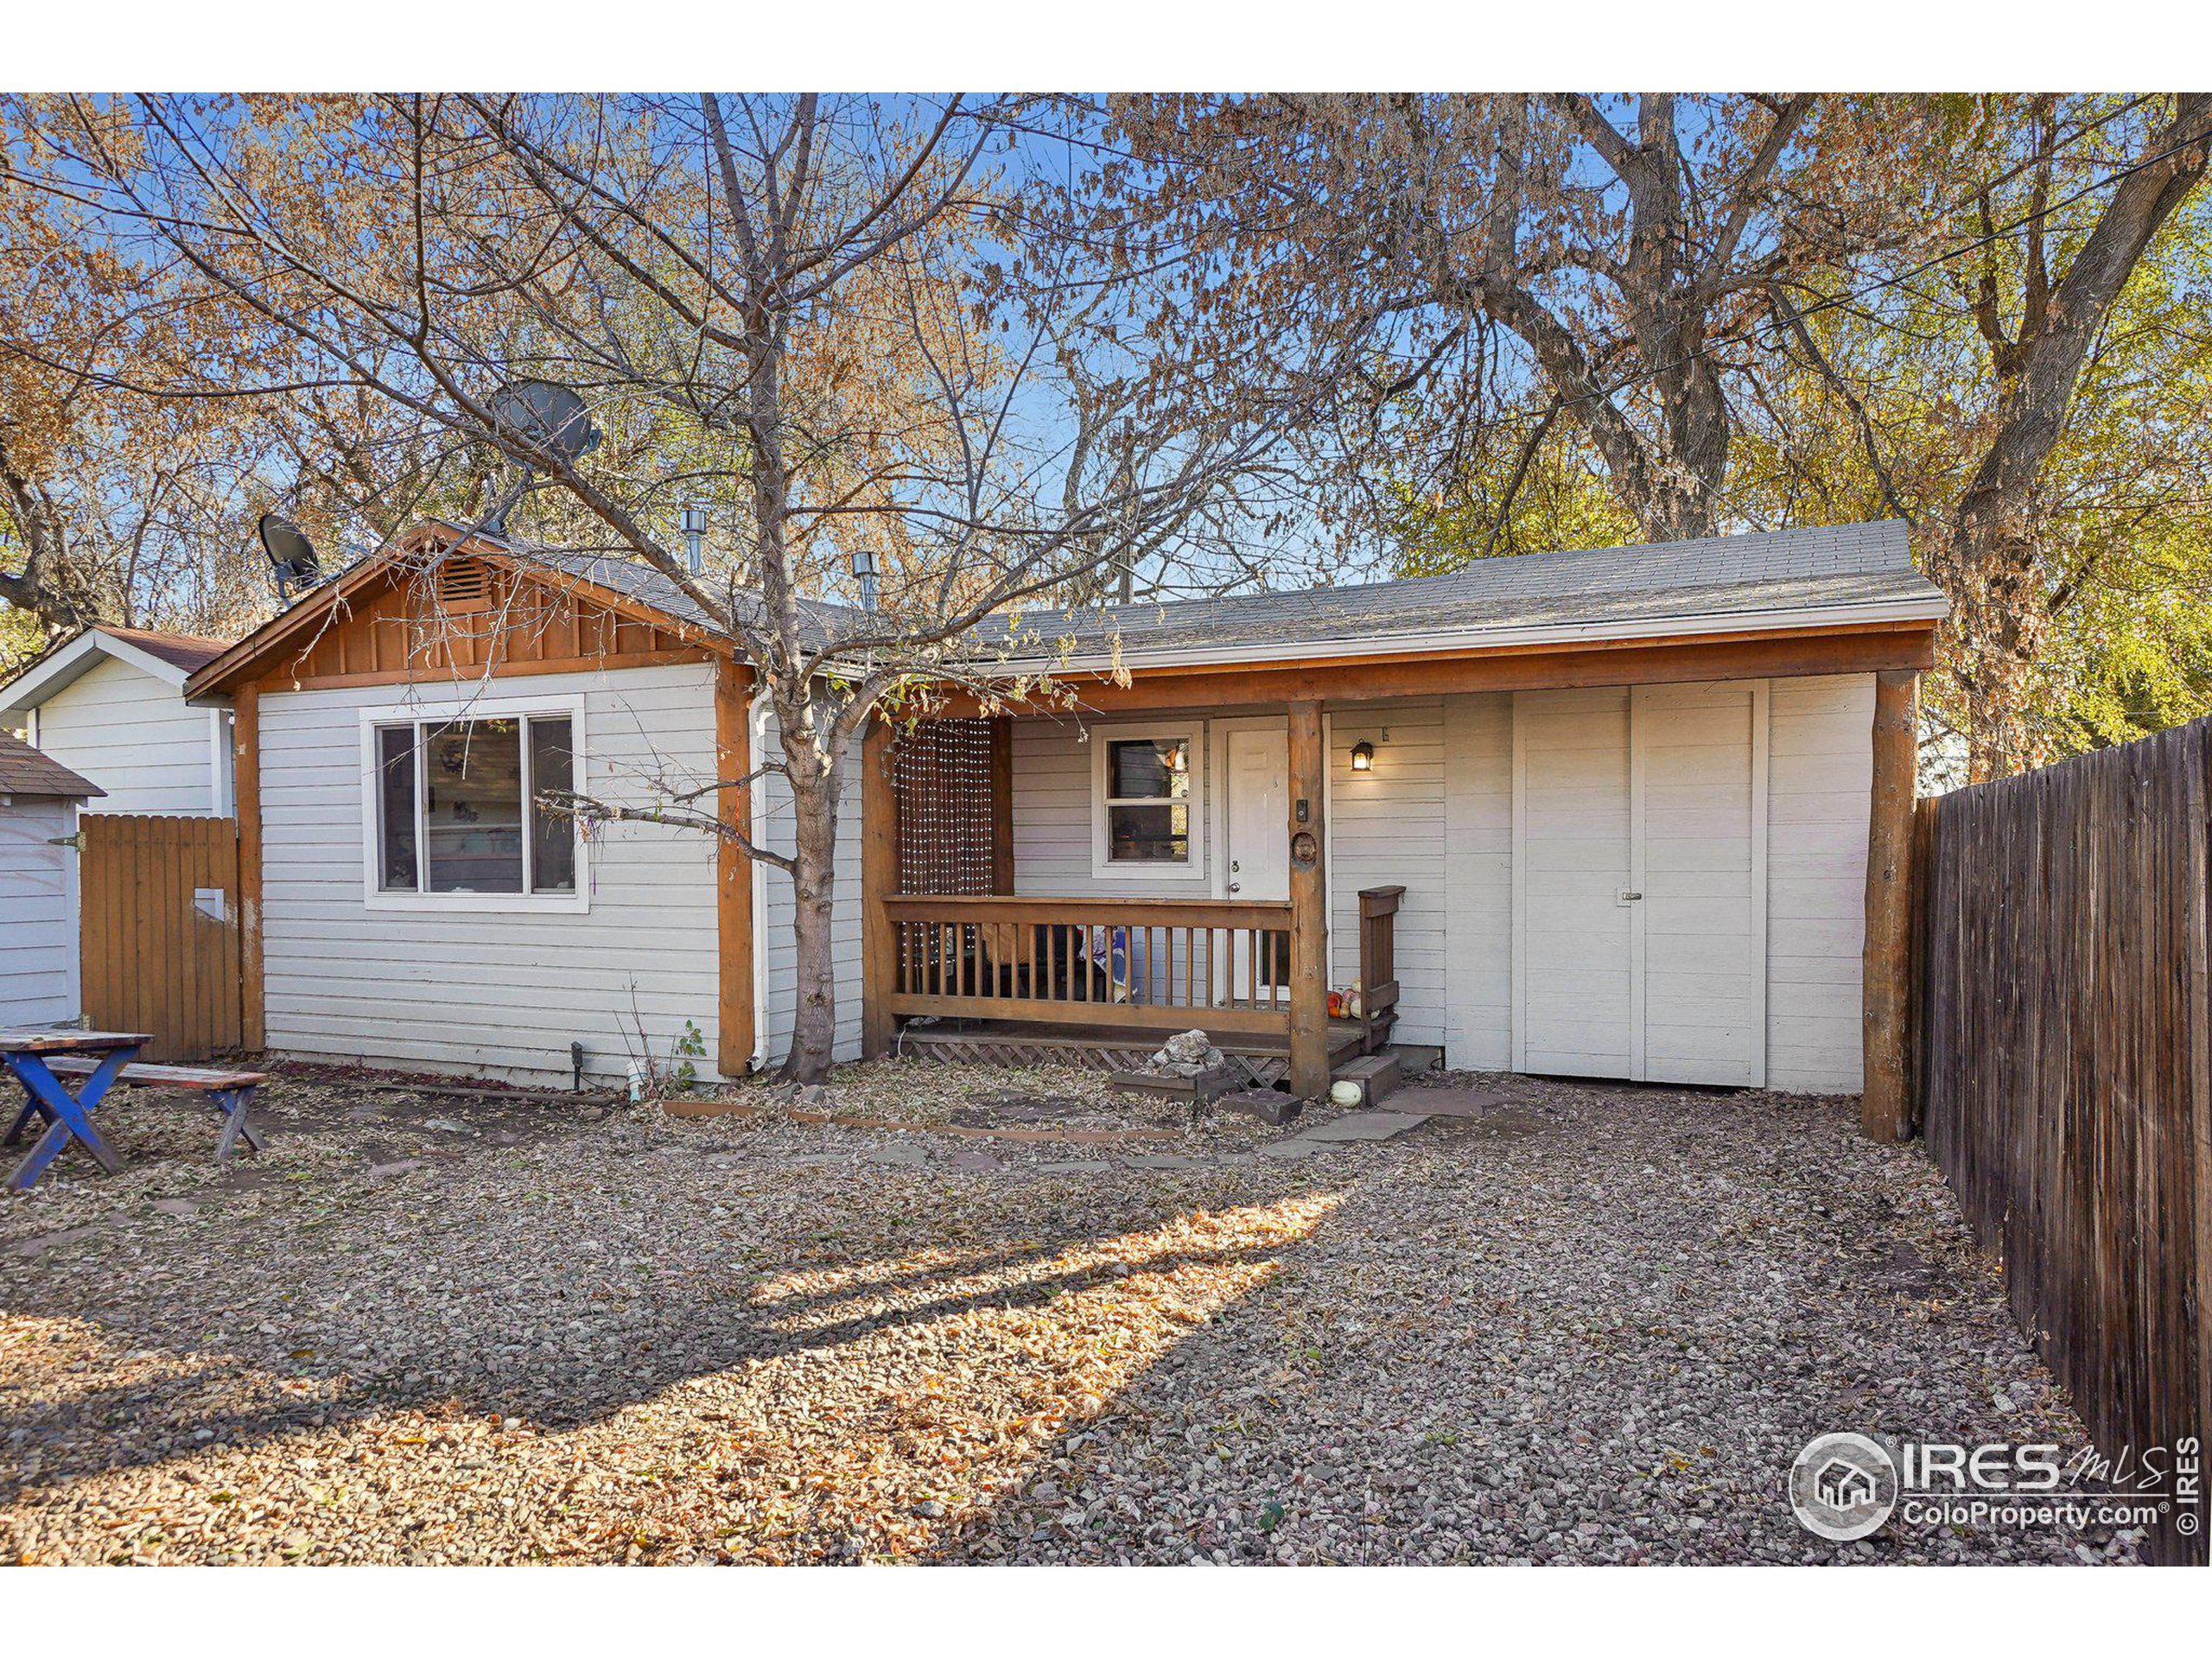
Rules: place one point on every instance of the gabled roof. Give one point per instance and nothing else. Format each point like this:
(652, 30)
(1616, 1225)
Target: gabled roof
(1719, 584)
(623, 585)
(169, 657)
(24, 771)
(1807, 580)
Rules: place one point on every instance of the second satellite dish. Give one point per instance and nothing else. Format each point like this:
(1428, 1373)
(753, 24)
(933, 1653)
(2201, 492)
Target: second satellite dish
(291, 555)
(551, 417)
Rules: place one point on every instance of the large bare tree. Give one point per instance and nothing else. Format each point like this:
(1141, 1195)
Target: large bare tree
(844, 327)
(1534, 269)
(2040, 330)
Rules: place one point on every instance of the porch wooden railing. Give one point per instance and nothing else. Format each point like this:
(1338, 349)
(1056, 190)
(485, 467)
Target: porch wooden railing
(1378, 962)
(1154, 964)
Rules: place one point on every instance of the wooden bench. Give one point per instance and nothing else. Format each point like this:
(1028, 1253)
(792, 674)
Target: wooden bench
(228, 1092)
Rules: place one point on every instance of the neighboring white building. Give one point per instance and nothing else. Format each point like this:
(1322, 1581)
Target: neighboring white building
(110, 706)
(38, 899)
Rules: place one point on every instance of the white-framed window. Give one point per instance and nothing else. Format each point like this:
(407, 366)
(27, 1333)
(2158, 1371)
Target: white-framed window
(452, 817)
(1147, 809)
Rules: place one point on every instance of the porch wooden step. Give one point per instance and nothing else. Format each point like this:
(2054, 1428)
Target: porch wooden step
(1378, 1076)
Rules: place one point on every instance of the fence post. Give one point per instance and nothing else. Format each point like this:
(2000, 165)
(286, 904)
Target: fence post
(1885, 1107)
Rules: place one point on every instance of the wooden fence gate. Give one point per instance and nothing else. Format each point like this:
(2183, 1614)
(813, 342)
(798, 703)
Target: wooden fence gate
(158, 930)
(2065, 1039)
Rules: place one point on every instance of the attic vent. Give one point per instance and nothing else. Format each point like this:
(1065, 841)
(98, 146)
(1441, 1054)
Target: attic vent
(463, 584)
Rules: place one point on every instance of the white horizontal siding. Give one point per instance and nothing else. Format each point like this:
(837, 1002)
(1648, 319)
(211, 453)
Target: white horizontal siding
(498, 992)
(38, 929)
(1388, 828)
(134, 736)
(1052, 814)
(778, 910)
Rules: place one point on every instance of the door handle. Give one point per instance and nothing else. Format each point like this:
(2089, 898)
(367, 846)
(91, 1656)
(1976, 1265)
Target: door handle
(1628, 896)
(1236, 887)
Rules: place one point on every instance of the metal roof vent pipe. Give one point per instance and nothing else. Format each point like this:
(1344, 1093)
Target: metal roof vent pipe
(864, 571)
(694, 540)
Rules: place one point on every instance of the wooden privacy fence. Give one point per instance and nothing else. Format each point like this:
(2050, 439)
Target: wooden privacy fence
(158, 930)
(2065, 1068)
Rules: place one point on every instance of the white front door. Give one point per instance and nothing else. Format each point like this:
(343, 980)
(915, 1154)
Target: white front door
(1257, 843)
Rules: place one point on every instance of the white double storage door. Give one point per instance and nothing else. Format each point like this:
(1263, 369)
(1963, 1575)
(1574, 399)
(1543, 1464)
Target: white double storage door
(1640, 882)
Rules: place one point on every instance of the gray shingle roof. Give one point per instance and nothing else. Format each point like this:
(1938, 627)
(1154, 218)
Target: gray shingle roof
(1599, 588)
(1603, 590)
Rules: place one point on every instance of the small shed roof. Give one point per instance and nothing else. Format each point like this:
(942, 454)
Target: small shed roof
(24, 771)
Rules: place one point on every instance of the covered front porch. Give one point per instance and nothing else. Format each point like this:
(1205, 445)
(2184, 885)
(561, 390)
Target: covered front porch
(1178, 877)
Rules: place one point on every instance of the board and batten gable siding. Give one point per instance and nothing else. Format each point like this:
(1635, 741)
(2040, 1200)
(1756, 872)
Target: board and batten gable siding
(776, 909)
(134, 736)
(38, 923)
(501, 992)
(1820, 780)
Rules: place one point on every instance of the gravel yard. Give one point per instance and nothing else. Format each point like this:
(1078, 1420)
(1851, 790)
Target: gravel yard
(1585, 1324)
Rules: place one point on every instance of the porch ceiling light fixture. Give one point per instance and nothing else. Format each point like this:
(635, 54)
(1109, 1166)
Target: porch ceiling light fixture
(1362, 756)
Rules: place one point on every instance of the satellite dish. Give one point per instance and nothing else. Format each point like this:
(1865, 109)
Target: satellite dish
(551, 417)
(291, 555)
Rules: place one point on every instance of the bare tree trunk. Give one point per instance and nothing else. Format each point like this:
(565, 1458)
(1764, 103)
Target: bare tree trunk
(2001, 612)
(814, 890)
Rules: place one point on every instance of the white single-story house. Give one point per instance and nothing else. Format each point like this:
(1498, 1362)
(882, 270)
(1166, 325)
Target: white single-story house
(1596, 813)
(39, 799)
(110, 704)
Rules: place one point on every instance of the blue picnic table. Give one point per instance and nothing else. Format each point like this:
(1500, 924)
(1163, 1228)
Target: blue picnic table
(67, 1114)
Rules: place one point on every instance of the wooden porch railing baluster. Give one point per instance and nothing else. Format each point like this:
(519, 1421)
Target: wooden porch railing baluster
(1053, 960)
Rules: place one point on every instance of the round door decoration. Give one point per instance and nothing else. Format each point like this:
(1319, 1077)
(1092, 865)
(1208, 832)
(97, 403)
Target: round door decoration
(1303, 850)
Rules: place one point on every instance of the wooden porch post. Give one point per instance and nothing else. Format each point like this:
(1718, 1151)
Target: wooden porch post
(879, 879)
(733, 873)
(1885, 1103)
(1309, 906)
(245, 784)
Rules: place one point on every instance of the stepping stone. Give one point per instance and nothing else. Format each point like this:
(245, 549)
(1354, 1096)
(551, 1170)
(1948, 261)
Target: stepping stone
(1269, 1105)
(1158, 1160)
(182, 1208)
(46, 1242)
(1456, 1102)
(977, 1160)
(1291, 1148)
(903, 1157)
(1365, 1126)
(1373, 1075)
(399, 1168)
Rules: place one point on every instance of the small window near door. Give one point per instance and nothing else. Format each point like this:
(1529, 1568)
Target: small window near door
(1146, 803)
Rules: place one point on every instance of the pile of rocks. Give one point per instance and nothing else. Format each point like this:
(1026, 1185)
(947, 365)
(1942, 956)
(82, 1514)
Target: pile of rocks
(1186, 1054)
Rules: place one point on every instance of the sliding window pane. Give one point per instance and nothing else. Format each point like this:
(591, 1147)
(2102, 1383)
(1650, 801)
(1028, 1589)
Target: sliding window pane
(396, 871)
(1148, 835)
(1148, 769)
(472, 812)
(552, 834)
